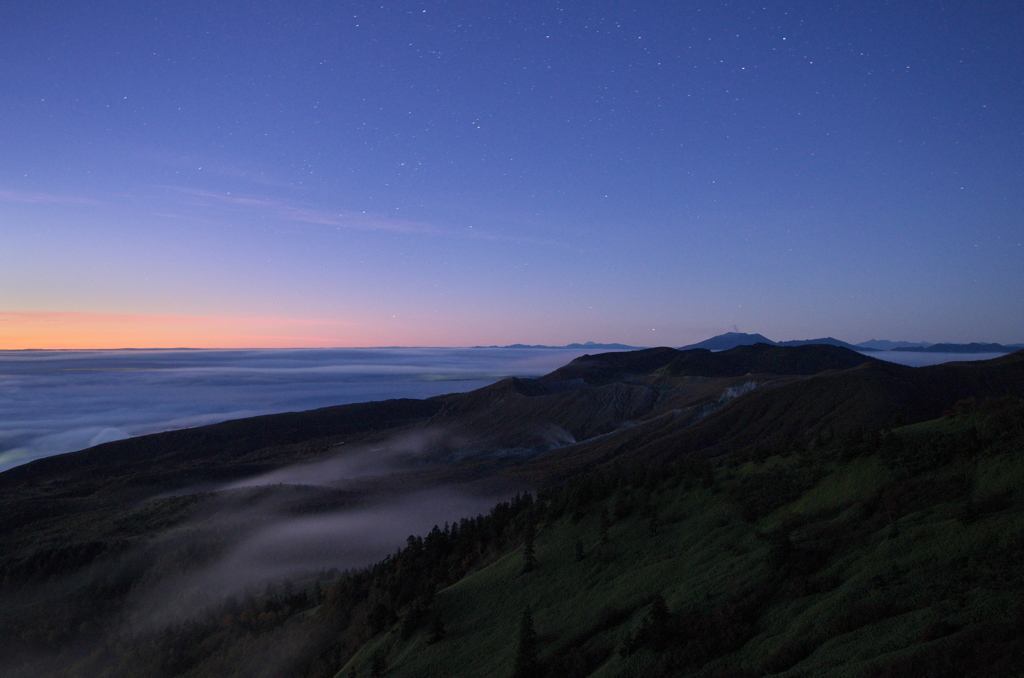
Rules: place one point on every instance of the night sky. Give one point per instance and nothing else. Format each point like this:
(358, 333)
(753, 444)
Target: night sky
(455, 173)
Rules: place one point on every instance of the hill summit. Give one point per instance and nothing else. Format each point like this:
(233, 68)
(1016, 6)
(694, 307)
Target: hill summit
(724, 342)
(729, 340)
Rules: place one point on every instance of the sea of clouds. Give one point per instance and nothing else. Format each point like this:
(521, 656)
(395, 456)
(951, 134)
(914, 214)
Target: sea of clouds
(59, 401)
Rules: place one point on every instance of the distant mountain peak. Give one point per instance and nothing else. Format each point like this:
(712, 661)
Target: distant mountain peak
(723, 342)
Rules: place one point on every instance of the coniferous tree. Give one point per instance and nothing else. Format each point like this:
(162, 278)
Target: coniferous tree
(653, 522)
(381, 617)
(529, 557)
(437, 630)
(604, 524)
(658, 620)
(527, 665)
(379, 664)
(417, 613)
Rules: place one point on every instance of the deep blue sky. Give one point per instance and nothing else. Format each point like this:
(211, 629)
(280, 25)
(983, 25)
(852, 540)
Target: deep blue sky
(275, 174)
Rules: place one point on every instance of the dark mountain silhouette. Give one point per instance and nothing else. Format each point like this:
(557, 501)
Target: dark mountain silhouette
(831, 341)
(733, 339)
(787, 411)
(729, 340)
(872, 395)
(758, 358)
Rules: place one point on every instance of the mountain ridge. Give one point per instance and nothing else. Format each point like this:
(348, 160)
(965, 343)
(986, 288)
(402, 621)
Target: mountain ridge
(794, 462)
(743, 359)
(584, 345)
(733, 339)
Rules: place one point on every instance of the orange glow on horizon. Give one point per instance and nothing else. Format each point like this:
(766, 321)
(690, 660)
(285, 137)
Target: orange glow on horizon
(54, 330)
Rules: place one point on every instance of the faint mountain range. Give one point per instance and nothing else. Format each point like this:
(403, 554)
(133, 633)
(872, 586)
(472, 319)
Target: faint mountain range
(724, 342)
(973, 347)
(586, 345)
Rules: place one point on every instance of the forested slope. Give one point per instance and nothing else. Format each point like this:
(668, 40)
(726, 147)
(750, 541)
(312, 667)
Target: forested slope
(864, 521)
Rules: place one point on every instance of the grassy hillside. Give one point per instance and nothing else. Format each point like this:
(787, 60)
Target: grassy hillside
(900, 554)
(856, 521)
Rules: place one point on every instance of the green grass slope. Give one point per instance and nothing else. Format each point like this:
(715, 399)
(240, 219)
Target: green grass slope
(899, 554)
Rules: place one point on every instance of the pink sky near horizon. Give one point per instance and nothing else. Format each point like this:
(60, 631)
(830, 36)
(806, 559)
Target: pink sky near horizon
(91, 330)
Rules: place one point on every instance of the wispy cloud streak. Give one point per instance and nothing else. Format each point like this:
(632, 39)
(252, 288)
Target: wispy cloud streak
(35, 198)
(296, 213)
(292, 212)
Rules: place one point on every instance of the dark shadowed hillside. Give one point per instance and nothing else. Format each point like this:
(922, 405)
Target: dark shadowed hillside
(757, 511)
(212, 453)
(735, 362)
(780, 413)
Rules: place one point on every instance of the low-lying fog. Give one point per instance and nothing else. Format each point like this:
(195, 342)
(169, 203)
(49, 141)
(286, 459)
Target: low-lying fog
(277, 525)
(266, 542)
(289, 524)
(59, 401)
